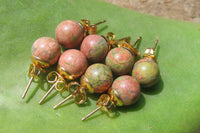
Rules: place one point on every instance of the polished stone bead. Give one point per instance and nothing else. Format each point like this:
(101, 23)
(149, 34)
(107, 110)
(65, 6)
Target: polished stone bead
(120, 60)
(46, 49)
(125, 90)
(97, 79)
(69, 34)
(146, 71)
(95, 48)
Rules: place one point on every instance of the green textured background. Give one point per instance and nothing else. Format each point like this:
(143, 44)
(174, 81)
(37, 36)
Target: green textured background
(173, 105)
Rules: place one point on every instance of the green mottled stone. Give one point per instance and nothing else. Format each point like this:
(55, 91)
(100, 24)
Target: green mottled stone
(100, 77)
(146, 71)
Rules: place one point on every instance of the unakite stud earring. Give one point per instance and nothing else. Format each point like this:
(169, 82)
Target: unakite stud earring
(121, 59)
(97, 79)
(71, 65)
(146, 70)
(125, 91)
(95, 47)
(45, 52)
(70, 33)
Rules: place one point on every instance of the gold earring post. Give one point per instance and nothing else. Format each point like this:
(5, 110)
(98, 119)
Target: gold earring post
(48, 92)
(156, 43)
(27, 87)
(125, 38)
(56, 106)
(100, 22)
(91, 113)
(137, 41)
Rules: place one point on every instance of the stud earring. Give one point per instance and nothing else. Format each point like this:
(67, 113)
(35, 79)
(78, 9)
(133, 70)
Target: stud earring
(95, 47)
(45, 52)
(146, 70)
(71, 65)
(121, 59)
(97, 79)
(125, 91)
(70, 33)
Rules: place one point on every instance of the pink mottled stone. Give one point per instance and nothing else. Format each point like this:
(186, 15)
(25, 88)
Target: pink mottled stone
(128, 89)
(120, 60)
(95, 48)
(47, 49)
(73, 61)
(69, 34)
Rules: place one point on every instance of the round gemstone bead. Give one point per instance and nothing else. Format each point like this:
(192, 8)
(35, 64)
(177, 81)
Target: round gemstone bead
(125, 90)
(146, 72)
(73, 62)
(95, 48)
(120, 60)
(69, 34)
(97, 78)
(46, 49)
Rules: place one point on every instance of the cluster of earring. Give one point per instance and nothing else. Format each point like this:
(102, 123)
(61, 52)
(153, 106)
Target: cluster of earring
(85, 47)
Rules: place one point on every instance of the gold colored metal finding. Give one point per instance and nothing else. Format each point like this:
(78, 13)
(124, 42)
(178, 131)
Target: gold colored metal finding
(90, 28)
(150, 52)
(35, 69)
(86, 84)
(55, 78)
(112, 42)
(114, 96)
(88, 115)
(130, 47)
(39, 63)
(66, 75)
(58, 82)
(78, 93)
(105, 103)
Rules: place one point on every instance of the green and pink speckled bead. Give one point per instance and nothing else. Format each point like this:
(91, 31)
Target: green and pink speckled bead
(126, 89)
(69, 34)
(97, 79)
(95, 48)
(73, 62)
(46, 49)
(120, 60)
(146, 72)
